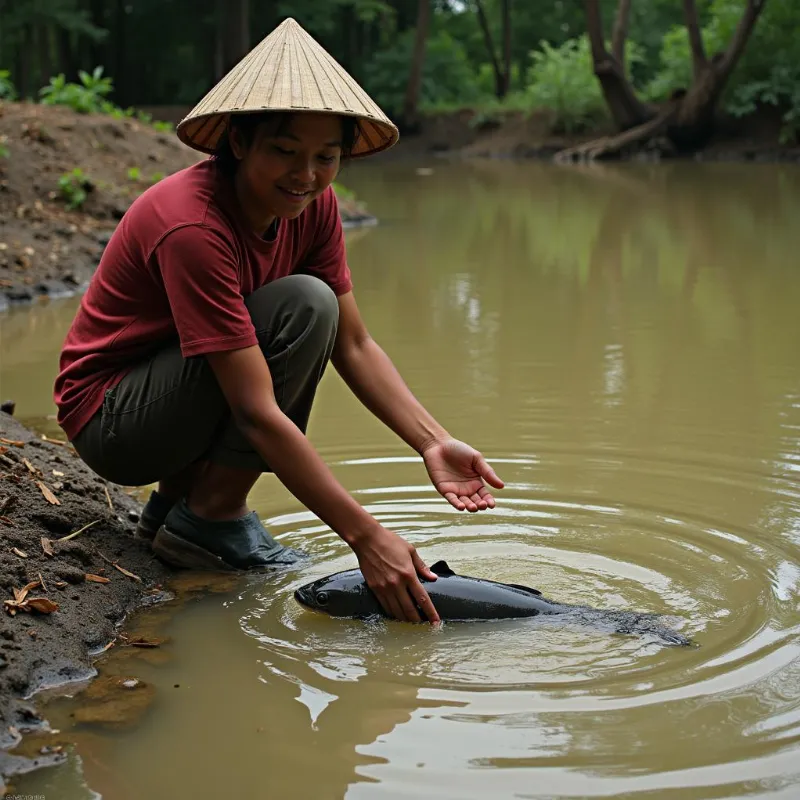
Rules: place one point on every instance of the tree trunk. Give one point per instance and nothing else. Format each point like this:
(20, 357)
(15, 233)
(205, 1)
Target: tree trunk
(236, 27)
(499, 78)
(219, 42)
(687, 120)
(23, 71)
(98, 49)
(694, 123)
(626, 109)
(410, 114)
(121, 80)
(44, 56)
(66, 54)
(506, 8)
(692, 23)
(619, 32)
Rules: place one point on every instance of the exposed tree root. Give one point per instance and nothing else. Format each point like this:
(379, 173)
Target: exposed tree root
(611, 146)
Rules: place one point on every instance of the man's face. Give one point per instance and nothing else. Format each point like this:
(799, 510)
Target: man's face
(283, 170)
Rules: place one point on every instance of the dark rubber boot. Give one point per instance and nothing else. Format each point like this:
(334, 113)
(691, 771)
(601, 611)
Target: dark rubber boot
(153, 515)
(190, 542)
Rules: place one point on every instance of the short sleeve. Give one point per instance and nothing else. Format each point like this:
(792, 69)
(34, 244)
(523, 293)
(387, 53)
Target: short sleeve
(327, 256)
(200, 271)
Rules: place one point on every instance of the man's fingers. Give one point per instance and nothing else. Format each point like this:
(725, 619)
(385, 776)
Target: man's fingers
(468, 504)
(390, 605)
(452, 498)
(421, 567)
(479, 501)
(425, 603)
(488, 474)
(486, 496)
(406, 603)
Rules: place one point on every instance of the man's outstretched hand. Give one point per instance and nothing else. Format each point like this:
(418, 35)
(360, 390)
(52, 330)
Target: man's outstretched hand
(461, 474)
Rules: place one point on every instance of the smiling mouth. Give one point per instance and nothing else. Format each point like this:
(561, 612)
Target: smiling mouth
(294, 193)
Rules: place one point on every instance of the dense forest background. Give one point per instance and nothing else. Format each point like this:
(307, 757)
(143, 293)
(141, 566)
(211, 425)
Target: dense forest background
(423, 56)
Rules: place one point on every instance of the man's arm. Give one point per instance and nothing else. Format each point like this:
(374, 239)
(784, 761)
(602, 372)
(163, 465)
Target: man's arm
(390, 564)
(459, 472)
(374, 379)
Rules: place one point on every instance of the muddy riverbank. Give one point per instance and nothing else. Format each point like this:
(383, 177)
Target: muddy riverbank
(79, 590)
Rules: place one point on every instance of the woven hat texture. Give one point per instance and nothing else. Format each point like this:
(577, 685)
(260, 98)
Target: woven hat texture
(287, 71)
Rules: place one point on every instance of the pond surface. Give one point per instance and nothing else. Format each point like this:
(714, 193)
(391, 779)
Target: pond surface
(623, 343)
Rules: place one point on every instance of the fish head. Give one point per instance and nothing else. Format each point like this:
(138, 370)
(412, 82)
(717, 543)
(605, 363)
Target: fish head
(344, 594)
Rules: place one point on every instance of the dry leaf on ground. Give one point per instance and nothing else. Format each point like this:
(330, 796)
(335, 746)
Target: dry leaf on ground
(41, 604)
(17, 552)
(96, 578)
(22, 602)
(75, 533)
(54, 441)
(12, 442)
(37, 473)
(128, 573)
(48, 494)
(47, 546)
(121, 569)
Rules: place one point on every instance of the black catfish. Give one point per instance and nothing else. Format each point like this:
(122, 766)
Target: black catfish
(460, 598)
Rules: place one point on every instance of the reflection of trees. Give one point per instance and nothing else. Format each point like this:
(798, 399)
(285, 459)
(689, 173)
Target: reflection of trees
(676, 277)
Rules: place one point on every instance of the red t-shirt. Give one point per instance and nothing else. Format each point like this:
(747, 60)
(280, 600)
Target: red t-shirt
(178, 266)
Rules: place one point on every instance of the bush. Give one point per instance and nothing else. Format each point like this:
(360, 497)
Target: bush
(84, 97)
(447, 75)
(562, 79)
(75, 187)
(7, 88)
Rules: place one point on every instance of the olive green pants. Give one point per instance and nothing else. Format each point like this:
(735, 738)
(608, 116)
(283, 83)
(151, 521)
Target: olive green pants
(169, 411)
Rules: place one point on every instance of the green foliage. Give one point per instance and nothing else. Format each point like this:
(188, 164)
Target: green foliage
(74, 187)
(134, 174)
(768, 72)
(84, 97)
(447, 75)
(4, 151)
(156, 177)
(373, 39)
(562, 79)
(7, 89)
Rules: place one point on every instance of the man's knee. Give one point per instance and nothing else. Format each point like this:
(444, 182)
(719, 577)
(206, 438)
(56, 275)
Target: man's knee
(317, 296)
(296, 302)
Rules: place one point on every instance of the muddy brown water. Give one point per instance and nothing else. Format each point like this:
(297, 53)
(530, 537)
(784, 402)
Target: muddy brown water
(624, 344)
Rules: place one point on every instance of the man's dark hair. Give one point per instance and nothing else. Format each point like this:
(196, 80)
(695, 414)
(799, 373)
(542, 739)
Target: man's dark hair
(277, 122)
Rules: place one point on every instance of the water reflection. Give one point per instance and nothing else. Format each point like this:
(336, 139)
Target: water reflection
(623, 342)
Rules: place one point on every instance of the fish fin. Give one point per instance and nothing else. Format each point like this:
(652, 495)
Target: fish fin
(524, 588)
(441, 569)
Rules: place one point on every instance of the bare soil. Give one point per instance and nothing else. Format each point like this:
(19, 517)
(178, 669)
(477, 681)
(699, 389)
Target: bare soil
(47, 493)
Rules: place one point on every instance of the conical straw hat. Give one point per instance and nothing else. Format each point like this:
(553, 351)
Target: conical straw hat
(287, 71)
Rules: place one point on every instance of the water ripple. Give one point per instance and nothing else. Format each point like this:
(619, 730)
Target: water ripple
(733, 588)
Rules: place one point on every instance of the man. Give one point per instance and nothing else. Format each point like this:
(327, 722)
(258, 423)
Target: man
(195, 355)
